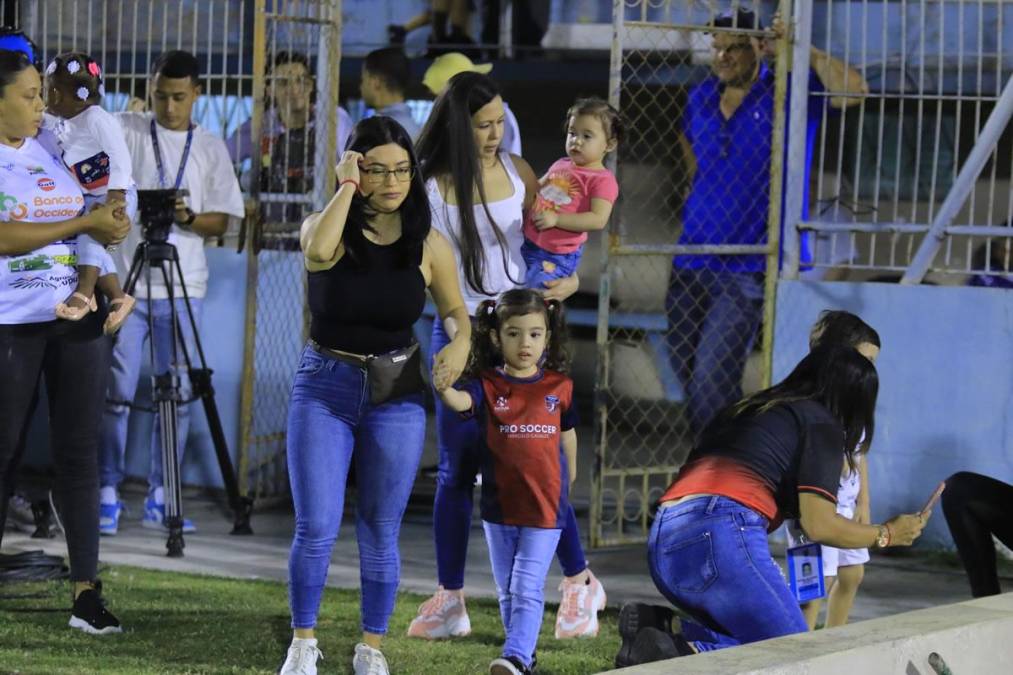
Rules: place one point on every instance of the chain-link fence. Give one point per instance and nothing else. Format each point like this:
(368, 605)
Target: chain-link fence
(684, 290)
(269, 89)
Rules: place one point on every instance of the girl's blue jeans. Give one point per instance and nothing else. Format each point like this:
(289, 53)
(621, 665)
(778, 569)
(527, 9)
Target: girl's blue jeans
(709, 556)
(331, 423)
(457, 439)
(520, 558)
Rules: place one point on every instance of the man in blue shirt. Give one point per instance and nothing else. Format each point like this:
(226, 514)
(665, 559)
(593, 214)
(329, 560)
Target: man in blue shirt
(715, 302)
(385, 77)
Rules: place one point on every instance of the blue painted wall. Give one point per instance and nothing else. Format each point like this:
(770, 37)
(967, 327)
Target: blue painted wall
(946, 382)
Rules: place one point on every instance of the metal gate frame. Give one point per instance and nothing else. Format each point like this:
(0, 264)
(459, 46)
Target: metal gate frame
(614, 249)
(328, 19)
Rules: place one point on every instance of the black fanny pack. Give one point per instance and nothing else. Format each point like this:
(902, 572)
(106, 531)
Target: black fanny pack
(391, 375)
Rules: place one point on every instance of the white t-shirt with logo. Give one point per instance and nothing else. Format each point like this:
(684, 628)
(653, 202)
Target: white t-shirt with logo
(93, 149)
(208, 175)
(35, 187)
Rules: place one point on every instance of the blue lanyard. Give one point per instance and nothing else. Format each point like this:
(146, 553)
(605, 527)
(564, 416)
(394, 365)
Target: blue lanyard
(182, 160)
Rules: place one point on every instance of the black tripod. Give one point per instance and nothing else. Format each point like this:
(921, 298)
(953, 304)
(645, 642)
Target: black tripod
(157, 214)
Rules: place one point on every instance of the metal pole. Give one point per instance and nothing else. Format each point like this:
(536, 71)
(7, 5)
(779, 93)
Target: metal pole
(328, 76)
(776, 185)
(247, 444)
(609, 239)
(802, 30)
(506, 29)
(961, 188)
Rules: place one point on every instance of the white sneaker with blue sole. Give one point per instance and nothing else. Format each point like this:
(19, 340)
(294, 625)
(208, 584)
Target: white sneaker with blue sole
(154, 517)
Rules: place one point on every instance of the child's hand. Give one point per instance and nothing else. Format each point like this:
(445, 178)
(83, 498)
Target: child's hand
(546, 219)
(449, 364)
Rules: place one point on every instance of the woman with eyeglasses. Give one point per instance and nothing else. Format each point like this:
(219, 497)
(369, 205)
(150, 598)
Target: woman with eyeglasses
(358, 392)
(479, 192)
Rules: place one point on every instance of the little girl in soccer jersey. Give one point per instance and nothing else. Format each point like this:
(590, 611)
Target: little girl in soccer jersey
(93, 148)
(575, 196)
(528, 454)
(843, 568)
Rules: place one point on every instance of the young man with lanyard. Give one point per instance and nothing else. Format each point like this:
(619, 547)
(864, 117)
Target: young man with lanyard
(168, 151)
(715, 302)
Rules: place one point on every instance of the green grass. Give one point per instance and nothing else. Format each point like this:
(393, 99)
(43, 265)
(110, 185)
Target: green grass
(184, 623)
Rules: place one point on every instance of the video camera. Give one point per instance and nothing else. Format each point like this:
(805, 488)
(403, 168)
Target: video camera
(157, 210)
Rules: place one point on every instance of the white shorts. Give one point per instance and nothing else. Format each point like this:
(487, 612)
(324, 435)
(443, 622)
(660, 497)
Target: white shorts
(847, 499)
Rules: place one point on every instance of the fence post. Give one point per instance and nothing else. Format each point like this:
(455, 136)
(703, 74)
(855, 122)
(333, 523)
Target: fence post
(801, 26)
(776, 188)
(253, 235)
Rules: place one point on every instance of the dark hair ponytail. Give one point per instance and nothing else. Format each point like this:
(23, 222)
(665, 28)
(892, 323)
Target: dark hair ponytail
(491, 314)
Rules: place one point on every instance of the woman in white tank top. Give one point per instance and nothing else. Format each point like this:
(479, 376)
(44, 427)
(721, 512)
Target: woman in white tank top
(478, 195)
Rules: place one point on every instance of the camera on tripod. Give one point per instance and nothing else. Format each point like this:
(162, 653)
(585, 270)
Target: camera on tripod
(157, 211)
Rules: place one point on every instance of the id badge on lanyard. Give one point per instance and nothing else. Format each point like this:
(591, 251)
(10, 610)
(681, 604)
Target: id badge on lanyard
(805, 571)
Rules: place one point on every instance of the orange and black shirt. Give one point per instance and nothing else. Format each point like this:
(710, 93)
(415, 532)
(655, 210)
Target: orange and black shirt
(765, 460)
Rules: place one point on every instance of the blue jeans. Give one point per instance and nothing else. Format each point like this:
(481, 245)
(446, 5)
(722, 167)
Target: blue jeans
(713, 319)
(331, 423)
(457, 439)
(709, 556)
(520, 559)
(562, 264)
(128, 353)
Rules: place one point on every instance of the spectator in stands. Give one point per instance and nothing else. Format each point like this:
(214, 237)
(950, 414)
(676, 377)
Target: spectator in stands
(284, 162)
(994, 262)
(447, 66)
(168, 150)
(456, 12)
(461, 156)
(42, 215)
(714, 302)
(386, 74)
(773, 455)
(527, 31)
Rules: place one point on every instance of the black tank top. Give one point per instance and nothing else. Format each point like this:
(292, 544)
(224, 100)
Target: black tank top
(368, 306)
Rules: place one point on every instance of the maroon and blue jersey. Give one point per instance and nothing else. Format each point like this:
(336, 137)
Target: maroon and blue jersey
(525, 478)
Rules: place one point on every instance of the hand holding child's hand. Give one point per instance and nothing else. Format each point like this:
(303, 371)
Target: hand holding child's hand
(545, 220)
(449, 364)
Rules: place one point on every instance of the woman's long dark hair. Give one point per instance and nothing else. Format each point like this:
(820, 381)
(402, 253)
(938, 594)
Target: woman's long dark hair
(491, 314)
(447, 147)
(416, 217)
(838, 377)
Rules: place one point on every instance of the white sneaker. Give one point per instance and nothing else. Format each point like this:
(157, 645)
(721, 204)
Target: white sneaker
(369, 661)
(302, 658)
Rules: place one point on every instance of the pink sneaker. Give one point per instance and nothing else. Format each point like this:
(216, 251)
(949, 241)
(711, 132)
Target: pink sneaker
(578, 611)
(441, 616)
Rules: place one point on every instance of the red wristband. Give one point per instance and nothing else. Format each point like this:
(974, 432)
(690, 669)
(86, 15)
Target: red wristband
(349, 180)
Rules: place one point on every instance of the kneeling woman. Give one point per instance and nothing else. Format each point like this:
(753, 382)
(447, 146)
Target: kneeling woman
(358, 393)
(773, 455)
